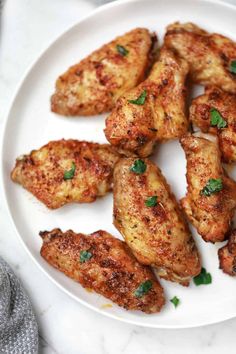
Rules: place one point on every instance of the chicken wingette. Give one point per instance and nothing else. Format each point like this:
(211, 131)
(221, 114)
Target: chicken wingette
(227, 255)
(211, 195)
(147, 215)
(215, 112)
(153, 111)
(93, 85)
(66, 171)
(104, 264)
(212, 57)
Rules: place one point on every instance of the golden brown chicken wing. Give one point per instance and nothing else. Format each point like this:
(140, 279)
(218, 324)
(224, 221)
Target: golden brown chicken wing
(212, 57)
(215, 112)
(211, 195)
(105, 264)
(153, 111)
(227, 255)
(147, 215)
(66, 171)
(93, 85)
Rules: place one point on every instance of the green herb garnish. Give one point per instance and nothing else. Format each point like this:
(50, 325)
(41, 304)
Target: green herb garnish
(140, 100)
(175, 301)
(122, 50)
(216, 119)
(151, 201)
(70, 174)
(232, 67)
(138, 167)
(143, 288)
(203, 278)
(212, 186)
(85, 256)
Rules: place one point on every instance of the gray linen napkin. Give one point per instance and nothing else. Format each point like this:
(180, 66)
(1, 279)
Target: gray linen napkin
(18, 327)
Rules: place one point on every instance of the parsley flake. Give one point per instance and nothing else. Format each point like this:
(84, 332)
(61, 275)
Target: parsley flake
(70, 174)
(140, 100)
(175, 301)
(151, 201)
(217, 119)
(143, 288)
(203, 278)
(122, 50)
(232, 67)
(85, 256)
(138, 167)
(212, 186)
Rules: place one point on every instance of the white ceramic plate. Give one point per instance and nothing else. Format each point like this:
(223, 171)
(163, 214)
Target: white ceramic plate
(30, 124)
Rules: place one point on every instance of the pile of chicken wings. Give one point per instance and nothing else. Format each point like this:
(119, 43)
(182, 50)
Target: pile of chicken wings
(144, 88)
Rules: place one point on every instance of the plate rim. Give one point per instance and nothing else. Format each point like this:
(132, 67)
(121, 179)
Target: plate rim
(24, 76)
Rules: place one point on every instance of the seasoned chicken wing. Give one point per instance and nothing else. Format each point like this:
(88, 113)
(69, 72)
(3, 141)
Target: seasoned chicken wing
(227, 255)
(153, 111)
(105, 264)
(211, 195)
(93, 85)
(211, 56)
(66, 171)
(147, 215)
(215, 112)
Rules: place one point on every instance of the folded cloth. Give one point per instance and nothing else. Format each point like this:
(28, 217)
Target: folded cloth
(18, 327)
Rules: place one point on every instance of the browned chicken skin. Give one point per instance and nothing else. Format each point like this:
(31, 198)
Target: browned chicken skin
(89, 166)
(227, 255)
(93, 85)
(210, 214)
(225, 104)
(135, 128)
(209, 55)
(104, 264)
(157, 235)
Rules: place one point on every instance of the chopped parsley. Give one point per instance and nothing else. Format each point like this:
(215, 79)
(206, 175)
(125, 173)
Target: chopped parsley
(138, 167)
(140, 100)
(175, 301)
(217, 119)
(212, 186)
(85, 256)
(232, 67)
(122, 50)
(151, 201)
(203, 278)
(70, 174)
(143, 288)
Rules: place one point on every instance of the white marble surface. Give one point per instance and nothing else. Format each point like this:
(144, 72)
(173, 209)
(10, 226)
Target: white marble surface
(66, 327)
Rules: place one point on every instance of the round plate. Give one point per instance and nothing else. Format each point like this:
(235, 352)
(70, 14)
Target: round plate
(30, 124)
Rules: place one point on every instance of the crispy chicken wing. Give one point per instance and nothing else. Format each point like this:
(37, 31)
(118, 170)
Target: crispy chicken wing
(211, 195)
(159, 111)
(93, 85)
(210, 55)
(147, 215)
(204, 113)
(227, 255)
(66, 171)
(105, 264)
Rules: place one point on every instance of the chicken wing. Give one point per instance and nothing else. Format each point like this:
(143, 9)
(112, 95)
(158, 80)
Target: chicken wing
(211, 56)
(153, 111)
(215, 112)
(211, 195)
(93, 85)
(147, 215)
(66, 171)
(227, 255)
(105, 264)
